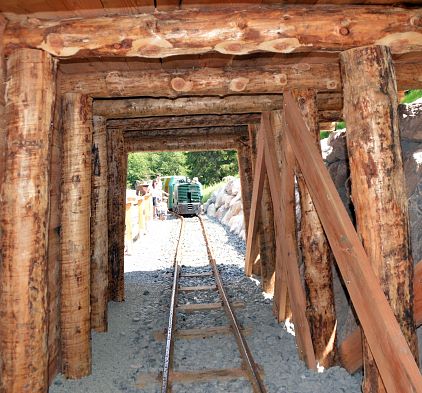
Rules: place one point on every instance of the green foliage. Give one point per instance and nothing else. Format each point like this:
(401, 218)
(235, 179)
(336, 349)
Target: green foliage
(142, 166)
(211, 166)
(340, 125)
(208, 190)
(411, 95)
(324, 134)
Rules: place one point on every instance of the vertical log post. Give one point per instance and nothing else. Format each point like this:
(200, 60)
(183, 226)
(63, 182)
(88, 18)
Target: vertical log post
(378, 190)
(117, 163)
(24, 223)
(54, 261)
(75, 235)
(99, 227)
(316, 252)
(253, 130)
(246, 180)
(3, 142)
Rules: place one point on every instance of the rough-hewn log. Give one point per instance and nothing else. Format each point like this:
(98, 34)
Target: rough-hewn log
(221, 81)
(24, 223)
(378, 189)
(316, 253)
(116, 163)
(99, 227)
(281, 177)
(159, 123)
(146, 107)
(281, 29)
(75, 235)
(205, 81)
(252, 260)
(246, 180)
(54, 262)
(395, 361)
(185, 143)
(3, 141)
(201, 132)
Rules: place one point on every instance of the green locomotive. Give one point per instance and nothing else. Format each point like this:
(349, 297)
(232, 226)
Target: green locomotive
(184, 196)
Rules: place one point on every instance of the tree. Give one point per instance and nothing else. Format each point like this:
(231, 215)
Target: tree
(137, 168)
(211, 166)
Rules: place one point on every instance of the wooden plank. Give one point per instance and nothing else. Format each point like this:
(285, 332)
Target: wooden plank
(188, 334)
(198, 288)
(388, 345)
(193, 275)
(201, 31)
(258, 186)
(282, 192)
(350, 350)
(207, 306)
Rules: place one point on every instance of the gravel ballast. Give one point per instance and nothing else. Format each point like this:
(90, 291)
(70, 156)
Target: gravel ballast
(128, 357)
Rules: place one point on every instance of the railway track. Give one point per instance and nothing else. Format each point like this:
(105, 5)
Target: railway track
(248, 369)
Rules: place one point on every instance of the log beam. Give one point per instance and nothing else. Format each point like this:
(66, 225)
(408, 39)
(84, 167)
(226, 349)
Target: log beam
(3, 141)
(99, 227)
(75, 235)
(378, 189)
(323, 77)
(280, 29)
(147, 107)
(201, 132)
(316, 253)
(174, 122)
(205, 81)
(185, 143)
(24, 223)
(246, 180)
(117, 168)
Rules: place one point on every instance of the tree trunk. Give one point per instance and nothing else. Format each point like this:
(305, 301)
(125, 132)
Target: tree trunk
(117, 163)
(24, 223)
(99, 227)
(316, 253)
(75, 241)
(54, 259)
(378, 190)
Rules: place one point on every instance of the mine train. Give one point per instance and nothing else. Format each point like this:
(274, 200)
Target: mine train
(184, 196)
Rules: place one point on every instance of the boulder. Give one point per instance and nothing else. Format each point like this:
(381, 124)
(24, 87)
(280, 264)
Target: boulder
(211, 210)
(410, 121)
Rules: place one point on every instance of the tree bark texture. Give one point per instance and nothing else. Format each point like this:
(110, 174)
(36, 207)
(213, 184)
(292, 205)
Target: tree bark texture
(175, 122)
(246, 180)
(99, 227)
(117, 163)
(316, 253)
(54, 258)
(279, 29)
(378, 189)
(185, 143)
(24, 223)
(323, 77)
(146, 107)
(205, 81)
(3, 138)
(75, 235)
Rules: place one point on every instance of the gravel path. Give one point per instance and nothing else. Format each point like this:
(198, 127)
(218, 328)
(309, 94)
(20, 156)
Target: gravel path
(127, 357)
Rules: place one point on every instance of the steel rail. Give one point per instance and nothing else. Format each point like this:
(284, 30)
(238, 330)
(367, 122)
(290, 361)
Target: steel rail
(168, 356)
(249, 363)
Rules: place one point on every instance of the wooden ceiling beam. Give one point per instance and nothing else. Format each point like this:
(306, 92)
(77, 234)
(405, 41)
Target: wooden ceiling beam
(148, 107)
(278, 28)
(200, 132)
(222, 81)
(178, 122)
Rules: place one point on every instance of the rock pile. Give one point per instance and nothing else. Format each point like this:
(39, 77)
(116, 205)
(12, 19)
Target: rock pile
(225, 204)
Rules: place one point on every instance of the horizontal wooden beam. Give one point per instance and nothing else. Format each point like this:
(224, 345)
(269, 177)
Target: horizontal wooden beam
(147, 107)
(205, 81)
(191, 143)
(176, 133)
(222, 81)
(175, 122)
(281, 29)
